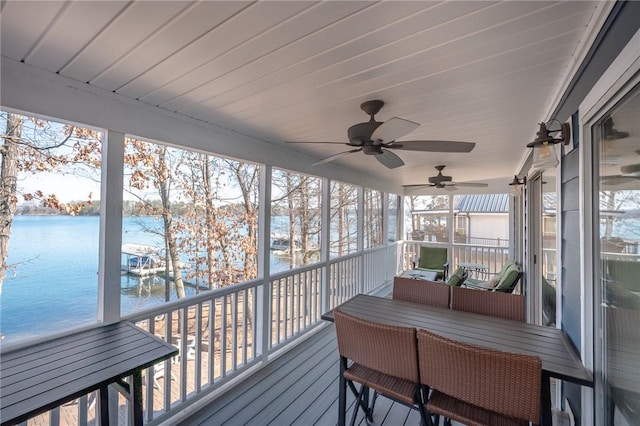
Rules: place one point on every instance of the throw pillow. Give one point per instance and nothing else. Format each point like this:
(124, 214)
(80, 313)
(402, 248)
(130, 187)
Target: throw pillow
(457, 278)
(492, 283)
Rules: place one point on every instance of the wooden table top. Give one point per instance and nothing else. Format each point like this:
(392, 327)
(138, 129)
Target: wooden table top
(43, 376)
(559, 358)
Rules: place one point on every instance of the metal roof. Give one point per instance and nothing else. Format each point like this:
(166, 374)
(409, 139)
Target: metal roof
(484, 203)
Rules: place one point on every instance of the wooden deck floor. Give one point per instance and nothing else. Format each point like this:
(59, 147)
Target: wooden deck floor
(299, 388)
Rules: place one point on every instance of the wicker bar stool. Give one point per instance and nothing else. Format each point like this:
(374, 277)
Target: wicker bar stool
(421, 291)
(478, 386)
(384, 358)
(496, 304)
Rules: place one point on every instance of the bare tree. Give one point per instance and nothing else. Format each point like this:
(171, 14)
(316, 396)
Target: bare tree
(8, 180)
(45, 147)
(151, 165)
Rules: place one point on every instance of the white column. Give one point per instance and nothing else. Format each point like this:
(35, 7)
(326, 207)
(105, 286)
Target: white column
(360, 237)
(325, 230)
(110, 227)
(264, 262)
(452, 233)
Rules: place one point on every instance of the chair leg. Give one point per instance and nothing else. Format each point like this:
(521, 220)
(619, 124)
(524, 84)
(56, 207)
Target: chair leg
(425, 419)
(358, 403)
(342, 394)
(361, 396)
(432, 418)
(373, 404)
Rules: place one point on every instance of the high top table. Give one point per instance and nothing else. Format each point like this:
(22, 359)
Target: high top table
(558, 356)
(46, 375)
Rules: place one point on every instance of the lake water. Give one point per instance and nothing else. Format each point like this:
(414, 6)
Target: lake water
(54, 284)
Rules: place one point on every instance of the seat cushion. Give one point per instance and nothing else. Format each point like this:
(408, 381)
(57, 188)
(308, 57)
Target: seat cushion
(439, 272)
(460, 411)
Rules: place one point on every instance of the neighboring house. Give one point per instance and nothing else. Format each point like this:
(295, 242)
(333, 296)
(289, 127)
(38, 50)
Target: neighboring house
(481, 219)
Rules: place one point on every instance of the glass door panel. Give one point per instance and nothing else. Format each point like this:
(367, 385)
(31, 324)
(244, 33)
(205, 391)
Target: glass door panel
(617, 150)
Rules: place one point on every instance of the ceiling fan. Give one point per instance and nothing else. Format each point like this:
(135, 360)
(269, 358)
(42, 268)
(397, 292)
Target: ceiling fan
(628, 174)
(446, 182)
(378, 138)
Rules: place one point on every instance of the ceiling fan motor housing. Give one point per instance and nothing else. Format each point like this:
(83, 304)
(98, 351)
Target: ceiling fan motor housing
(440, 178)
(359, 134)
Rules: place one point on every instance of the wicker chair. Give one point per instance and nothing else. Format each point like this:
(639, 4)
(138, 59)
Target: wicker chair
(478, 386)
(501, 305)
(384, 358)
(421, 291)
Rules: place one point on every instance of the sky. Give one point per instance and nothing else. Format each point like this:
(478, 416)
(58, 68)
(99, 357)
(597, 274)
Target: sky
(66, 188)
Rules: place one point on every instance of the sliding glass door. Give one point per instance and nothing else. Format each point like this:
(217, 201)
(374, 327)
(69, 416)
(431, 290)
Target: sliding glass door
(616, 184)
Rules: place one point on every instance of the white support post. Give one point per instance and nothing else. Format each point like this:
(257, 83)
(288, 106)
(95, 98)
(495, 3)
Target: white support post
(325, 229)
(360, 237)
(385, 231)
(452, 233)
(264, 263)
(110, 246)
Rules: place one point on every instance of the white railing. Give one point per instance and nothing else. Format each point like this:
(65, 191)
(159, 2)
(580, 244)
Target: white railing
(223, 332)
(491, 257)
(296, 298)
(376, 261)
(344, 278)
(216, 334)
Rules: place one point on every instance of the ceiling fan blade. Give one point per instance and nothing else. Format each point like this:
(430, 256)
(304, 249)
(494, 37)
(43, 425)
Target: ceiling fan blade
(434, 146)
(333, 143)
(335, 157)
(389, 159)
(617, 179)
(450, 188)
(417, 186)
(469, 184)
(392, 129)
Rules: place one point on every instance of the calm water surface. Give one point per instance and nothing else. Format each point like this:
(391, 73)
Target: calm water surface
(54, 282)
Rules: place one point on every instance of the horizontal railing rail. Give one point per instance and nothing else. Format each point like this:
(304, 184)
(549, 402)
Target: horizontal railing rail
(488, 256)
(221, 333)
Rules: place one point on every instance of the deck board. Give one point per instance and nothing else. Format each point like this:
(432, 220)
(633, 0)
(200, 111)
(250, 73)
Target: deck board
(299, 388)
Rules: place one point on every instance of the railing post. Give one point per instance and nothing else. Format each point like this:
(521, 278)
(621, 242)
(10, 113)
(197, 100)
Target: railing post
(360, 239)
(263, 292)
(110, 245)
(325, 226)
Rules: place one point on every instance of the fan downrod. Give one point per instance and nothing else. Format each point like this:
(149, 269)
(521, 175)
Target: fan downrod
(371, 108)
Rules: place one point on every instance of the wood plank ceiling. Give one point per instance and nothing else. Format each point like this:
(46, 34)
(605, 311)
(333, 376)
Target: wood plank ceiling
(278, 71)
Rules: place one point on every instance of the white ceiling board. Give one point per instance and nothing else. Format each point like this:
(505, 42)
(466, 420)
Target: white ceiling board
(363, 65)
(73, 30)
(255, 71)
(253, 20)
(194, 21)
(288, 32)
(364, 38)
(127, 30)
(18, 38)
(280, 71)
